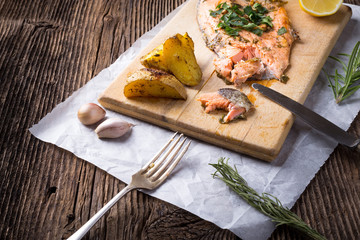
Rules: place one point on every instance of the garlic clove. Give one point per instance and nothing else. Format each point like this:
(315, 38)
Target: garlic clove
(90, 113)
(113, 128)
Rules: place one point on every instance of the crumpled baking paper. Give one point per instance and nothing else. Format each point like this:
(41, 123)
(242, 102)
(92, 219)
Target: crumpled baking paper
(192, 186)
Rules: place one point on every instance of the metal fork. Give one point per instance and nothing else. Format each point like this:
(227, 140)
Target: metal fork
(150, 176)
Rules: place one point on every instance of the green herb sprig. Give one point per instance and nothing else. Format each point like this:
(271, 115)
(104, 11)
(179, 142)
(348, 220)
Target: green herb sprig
(345, 86)
(235, 19)
(265, 203)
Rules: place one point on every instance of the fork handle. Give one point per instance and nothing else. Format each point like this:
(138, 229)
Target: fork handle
(86, 227)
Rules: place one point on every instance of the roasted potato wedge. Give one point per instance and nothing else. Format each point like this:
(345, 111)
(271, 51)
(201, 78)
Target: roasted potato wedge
(149, 82)
(176, 56)
(155, 59)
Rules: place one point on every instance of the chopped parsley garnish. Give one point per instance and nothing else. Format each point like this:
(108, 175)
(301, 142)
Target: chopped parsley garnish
(281, 31)
(234, 18)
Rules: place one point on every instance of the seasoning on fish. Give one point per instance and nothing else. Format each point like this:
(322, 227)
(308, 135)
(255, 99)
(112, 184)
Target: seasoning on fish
(251, 39)
(228, 99)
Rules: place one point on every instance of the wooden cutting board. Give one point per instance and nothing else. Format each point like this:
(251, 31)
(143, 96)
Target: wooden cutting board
(264, 132)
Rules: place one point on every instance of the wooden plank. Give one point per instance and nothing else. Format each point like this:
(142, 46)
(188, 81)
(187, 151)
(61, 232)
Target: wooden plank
(263, 133)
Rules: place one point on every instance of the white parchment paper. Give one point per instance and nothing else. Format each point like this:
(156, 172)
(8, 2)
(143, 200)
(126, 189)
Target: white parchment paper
(191, 186)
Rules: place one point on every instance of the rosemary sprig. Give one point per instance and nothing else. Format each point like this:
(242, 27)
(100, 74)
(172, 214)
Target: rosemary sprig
(345, 86)
(265, 203)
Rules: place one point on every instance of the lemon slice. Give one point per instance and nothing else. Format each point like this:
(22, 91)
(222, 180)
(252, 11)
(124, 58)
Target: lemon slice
(320, 8)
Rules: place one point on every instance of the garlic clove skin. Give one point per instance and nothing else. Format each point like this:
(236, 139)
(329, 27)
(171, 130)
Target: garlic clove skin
(113, 128)
(90, 113)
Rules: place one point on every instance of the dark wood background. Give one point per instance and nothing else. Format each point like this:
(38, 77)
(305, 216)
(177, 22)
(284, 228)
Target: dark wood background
(49, 49)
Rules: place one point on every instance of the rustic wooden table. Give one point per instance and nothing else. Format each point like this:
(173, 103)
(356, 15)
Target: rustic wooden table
(48, 50)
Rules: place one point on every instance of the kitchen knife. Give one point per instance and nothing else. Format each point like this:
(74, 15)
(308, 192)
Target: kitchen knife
(313, 119)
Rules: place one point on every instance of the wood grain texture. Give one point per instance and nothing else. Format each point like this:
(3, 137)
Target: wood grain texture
(48, 50)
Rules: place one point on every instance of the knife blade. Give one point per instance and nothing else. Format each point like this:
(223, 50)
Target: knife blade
(310, 117)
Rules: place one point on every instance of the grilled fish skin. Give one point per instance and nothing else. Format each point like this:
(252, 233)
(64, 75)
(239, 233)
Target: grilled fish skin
(236, 97)
(247, 56)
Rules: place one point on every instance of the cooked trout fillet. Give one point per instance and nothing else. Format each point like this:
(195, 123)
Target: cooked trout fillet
(237, 106)
(247, 55)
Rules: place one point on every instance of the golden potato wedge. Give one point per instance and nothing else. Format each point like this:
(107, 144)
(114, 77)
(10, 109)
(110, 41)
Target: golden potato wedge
(155, 59)
(149, 82)
(176, 56)
(179, 54)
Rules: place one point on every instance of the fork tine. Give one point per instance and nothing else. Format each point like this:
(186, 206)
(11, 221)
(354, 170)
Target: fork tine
(159, 170)
(146, 166)
(174, 164)
(166, 154)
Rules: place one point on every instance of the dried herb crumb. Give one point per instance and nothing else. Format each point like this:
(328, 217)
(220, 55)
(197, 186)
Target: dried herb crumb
(282, 31)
